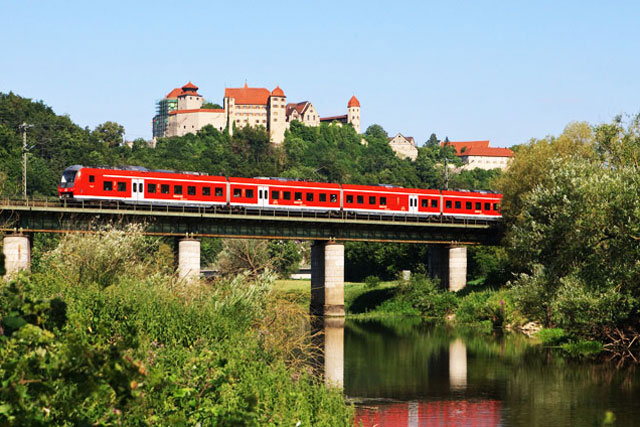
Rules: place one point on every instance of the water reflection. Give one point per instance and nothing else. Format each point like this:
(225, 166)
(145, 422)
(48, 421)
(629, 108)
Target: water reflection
(457, 365)
(328, 337)
(406, 373)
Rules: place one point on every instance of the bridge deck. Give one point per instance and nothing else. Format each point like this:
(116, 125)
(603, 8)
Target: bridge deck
(49, 215)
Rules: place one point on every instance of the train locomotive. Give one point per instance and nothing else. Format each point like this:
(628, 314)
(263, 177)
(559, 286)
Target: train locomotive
(139, 185)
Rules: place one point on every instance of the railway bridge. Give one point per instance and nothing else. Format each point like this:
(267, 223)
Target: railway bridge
(447, 237)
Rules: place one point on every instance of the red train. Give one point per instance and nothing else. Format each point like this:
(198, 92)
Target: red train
(136, 184)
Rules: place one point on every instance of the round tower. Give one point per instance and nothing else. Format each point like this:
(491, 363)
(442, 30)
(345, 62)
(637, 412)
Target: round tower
(277, 115)
(353, 113)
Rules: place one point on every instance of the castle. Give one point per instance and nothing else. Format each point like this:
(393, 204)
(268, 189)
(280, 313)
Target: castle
(180, 112)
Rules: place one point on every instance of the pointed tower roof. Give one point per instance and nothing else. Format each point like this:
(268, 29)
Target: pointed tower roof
(189, 90)
(353, 102)
(277, 92)
(190, 86)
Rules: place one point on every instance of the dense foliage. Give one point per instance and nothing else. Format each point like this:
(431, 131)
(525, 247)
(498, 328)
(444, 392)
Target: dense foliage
(135, 346)
(573, 209)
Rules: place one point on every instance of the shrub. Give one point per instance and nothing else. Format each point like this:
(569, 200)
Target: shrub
(423, 294)
(552, 336)
(372, 282)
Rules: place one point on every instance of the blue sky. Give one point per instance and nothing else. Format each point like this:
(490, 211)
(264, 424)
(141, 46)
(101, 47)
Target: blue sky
(505, 71)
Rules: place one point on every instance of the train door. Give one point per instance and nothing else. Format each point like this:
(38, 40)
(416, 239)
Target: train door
(263, 196)
(413, 204)
(137, 189)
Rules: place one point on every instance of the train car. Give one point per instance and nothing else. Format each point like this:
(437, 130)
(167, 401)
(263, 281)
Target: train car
(140, 185)
(471, 204)
(279, 193)
(134, 184)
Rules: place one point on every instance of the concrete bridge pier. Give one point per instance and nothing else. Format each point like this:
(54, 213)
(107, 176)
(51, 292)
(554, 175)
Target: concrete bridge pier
(189, 259)
(327, 279)
(449, 264)
(17, 254)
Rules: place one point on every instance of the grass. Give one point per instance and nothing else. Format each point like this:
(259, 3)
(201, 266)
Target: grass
(358, 298)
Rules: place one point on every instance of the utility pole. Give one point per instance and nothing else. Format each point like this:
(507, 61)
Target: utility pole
(24, 128)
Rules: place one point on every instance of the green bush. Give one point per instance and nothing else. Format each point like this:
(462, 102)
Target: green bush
(138, 347)
(495, 307)
(552, 336)
(372, 282)
(424, 295)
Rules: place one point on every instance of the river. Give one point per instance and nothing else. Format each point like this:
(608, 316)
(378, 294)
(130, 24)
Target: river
(403, 372)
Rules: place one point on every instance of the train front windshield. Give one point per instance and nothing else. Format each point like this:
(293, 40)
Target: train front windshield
(68, 177)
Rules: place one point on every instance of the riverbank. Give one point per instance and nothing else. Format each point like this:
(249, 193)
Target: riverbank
(484, 310)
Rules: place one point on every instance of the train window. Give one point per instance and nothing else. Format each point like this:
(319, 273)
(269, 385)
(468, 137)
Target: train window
(297, 196)
(151, 188)
(134, 187)
(275, 194)
(122, 186)
(496, 207)
(447, 204)
(237, 192)
(164, 188)
(372, 200)
(191, 190)
(206, 191)
(478, 206)
(349, 198)
(286, 195)
(219, 192)
(487, 206)
(177, 189)
(458, 205)
(468, 205)
(323, 197)
(425, 203)
(383, 201)
(309, 197)
(107, 186)
(92, 178)
(434, 203)
(249, 193)
(334, 198)
(360, 199)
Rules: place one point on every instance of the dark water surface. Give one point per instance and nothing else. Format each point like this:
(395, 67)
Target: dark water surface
(406, 373)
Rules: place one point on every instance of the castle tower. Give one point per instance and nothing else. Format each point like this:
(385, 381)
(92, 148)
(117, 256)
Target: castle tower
(277, 115)
(189, 99)
(353, 113)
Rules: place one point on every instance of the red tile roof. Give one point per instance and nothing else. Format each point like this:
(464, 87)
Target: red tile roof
(277, 92)
(300, 107)
(174, 93)
(461, 146)
(248, 95)
(189, 86)
(353, 102)
(487, 152)
(197, 110)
